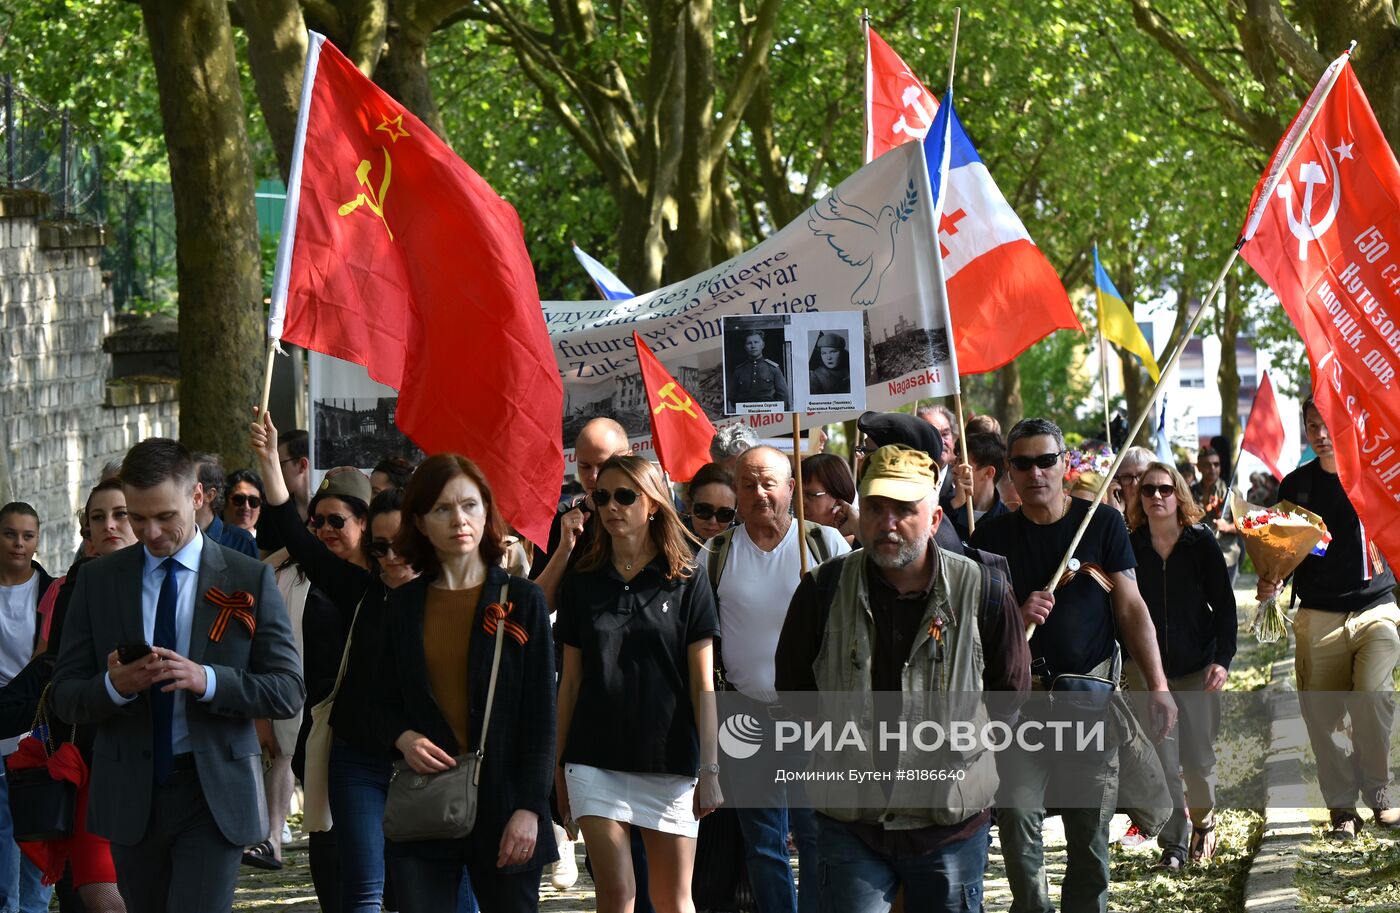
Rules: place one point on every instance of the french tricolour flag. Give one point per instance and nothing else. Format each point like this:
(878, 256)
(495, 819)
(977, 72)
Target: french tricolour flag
(1003, 295)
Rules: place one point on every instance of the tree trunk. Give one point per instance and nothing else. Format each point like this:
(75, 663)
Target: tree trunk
(688, 248)
(1228, 377)
(218, 265)
(1009, 407)
(277, 58)
(403, 73)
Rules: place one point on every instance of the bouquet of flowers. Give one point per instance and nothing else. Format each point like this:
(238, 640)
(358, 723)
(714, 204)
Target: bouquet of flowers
(1277, 539)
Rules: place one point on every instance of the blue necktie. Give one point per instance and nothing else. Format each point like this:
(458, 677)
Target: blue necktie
(162, 704)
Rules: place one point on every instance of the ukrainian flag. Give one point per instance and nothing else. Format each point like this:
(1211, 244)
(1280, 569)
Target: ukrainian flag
(1116, 321)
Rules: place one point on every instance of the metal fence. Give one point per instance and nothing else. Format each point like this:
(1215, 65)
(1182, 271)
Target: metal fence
(45, 151)
(140, 252)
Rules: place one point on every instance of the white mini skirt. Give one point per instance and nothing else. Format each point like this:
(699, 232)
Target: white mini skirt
(658, 802)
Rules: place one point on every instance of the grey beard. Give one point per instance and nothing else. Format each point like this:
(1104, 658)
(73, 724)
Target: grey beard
(908, 553)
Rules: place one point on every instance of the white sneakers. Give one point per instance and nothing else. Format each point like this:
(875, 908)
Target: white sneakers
(563, 873)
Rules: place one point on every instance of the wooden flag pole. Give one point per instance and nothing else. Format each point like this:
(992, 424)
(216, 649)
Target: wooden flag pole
(797, 493)
(962, 444)
(957, 397)
(267, 375)
(1300, 133)
(1103, 379)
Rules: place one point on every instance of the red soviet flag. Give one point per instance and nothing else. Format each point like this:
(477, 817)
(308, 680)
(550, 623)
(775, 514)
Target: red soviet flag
(1321, 232)
(1263, 432)
(404, 260)
(680, 430)
(1003, 294)
(897, 106)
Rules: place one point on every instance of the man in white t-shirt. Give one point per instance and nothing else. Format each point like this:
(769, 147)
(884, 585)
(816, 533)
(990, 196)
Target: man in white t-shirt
(22, 582)
(756, 568)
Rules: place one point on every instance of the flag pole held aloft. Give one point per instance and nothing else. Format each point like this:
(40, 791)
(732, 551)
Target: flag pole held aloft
(1292, 141)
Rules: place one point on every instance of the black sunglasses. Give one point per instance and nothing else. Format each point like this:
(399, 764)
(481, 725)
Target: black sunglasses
(379, 549)
(1164, 491)
(625, 496)
(1042, 461)
(867, 449)
(252, 501)
(710, 512)
(335, 520)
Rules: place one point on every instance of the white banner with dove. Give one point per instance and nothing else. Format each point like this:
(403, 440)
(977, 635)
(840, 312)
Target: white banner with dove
(866, 247)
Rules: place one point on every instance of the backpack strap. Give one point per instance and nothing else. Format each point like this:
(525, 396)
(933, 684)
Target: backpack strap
(816, 542)
(827, 576)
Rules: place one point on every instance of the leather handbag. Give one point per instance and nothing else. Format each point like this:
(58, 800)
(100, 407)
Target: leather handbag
(41, 807)
(315, 781)
(441, 806)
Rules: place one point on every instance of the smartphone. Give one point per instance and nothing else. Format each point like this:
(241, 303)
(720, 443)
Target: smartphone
(130, 653)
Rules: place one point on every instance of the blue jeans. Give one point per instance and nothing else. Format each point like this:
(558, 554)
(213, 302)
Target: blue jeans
(770, 869)
(358, 783)
(856, 879)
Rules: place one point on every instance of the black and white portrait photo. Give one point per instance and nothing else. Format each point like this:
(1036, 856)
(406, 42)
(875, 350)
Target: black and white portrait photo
(829, 366)
(757, 365)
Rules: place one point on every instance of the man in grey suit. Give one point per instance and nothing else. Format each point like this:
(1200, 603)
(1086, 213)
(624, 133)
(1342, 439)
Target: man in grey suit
(177, 769)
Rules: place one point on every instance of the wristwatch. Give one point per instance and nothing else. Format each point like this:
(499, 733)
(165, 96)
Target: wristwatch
(708, 769)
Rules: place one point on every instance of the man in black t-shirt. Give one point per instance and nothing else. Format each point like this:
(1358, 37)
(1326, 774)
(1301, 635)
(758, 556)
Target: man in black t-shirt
(1347, 642)
(1076, 629)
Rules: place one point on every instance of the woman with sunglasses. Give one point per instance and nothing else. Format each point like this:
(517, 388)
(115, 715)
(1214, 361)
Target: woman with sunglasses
(348, 868)
(244, 501)
(1183, 579)
(712, 501)
(637, 620)
(443, 630)
(338, 514)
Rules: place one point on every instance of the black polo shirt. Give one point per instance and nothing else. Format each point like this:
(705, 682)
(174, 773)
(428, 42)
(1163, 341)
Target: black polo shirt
(633, 711)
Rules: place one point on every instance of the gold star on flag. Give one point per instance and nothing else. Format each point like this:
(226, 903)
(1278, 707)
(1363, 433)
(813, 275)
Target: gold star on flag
(393, 127)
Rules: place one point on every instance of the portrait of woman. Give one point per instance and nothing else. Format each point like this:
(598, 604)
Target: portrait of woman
(829, 368)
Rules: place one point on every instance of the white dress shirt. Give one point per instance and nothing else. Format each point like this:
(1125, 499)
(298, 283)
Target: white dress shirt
(187, 579)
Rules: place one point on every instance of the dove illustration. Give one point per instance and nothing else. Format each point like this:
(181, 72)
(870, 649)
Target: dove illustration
(860, 238)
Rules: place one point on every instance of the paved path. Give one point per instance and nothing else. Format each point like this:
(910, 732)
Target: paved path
(289, 891)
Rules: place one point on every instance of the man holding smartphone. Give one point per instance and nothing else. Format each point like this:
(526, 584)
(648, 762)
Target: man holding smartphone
(177, 776)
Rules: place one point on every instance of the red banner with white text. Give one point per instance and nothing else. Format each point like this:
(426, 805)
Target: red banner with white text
(1328, 244)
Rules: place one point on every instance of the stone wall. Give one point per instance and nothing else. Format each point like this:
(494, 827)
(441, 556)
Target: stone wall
(62, 417)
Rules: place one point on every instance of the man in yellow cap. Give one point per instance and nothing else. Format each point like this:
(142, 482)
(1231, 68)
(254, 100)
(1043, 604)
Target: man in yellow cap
(918, 619)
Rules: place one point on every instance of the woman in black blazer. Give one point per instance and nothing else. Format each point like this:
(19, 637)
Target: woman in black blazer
(439, 642)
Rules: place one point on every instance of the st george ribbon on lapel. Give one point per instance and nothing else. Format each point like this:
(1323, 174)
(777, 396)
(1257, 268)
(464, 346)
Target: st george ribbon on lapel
(236, 605)
(496, 614)
(163, 703)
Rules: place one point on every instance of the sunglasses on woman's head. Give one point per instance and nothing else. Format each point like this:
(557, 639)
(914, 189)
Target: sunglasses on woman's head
(335, 520)
(252, 501)
(625, 496)
(710, 512)
(379, 549)
(1040, 461)
(1163, 491)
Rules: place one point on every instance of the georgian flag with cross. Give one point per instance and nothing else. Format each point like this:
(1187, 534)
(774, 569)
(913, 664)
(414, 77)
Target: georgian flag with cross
(1003, 295)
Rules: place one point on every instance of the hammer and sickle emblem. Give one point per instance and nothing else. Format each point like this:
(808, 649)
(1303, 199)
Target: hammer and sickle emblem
(371, 198)
(668, 392)
(1312, 174)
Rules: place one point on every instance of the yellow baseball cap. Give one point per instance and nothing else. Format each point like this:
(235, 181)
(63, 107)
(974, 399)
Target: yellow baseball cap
(900, 473)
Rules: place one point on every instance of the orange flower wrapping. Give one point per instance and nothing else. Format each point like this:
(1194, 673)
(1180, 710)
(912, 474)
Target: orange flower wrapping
(1277, 543)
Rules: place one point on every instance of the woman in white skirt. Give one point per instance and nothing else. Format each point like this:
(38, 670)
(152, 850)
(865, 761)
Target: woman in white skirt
(636, 716)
